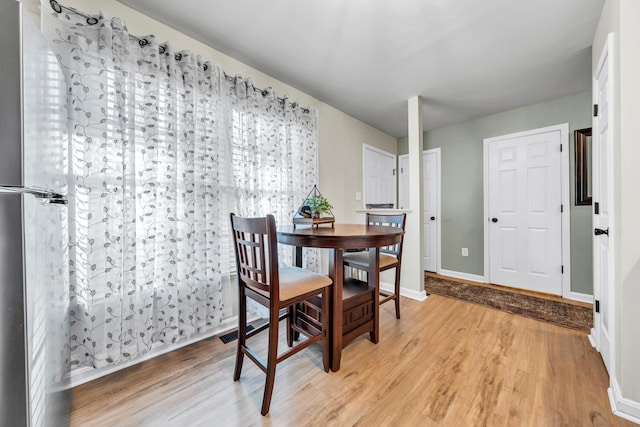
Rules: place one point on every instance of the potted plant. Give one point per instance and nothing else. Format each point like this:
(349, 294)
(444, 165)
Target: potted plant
(318, 205)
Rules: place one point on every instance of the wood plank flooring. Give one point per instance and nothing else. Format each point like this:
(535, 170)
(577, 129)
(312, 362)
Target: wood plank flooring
(445, 363)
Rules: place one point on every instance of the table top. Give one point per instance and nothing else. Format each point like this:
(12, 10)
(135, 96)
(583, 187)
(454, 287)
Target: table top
(345, 236)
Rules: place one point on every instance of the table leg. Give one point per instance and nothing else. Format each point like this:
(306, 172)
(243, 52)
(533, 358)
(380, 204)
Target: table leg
(373, 276)
(336, 273)
(297, 256)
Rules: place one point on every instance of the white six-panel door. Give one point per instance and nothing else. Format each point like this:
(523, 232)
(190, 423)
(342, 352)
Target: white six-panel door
(431, 202)
(602, 199)
(379, 176)
(524, 208)
(431, 216)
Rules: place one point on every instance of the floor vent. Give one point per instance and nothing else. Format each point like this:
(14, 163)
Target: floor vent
(233, 335)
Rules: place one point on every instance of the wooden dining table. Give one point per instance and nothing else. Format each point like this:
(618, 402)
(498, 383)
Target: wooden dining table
(338, 238)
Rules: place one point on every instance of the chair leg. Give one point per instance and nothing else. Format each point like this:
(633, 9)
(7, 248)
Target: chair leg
(242, 333)
(272, 357)
(291, 319)
(397, 291)
(326, 341)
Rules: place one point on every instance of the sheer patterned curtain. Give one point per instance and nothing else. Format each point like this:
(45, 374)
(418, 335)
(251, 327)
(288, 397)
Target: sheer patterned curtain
(274, 150)
(162, 147)
(147, 190)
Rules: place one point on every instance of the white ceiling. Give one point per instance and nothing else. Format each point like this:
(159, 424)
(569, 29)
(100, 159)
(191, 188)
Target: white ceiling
(466, 58)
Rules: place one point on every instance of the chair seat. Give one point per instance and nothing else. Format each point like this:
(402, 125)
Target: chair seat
(296, 281)
(361, 260)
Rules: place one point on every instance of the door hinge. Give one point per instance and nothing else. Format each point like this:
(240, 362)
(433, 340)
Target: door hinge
(597, 306)
(596, 208)
(561, 148)
(562, 269)
(401, 170)
(394, 172)
(561, 208)
(595, 110)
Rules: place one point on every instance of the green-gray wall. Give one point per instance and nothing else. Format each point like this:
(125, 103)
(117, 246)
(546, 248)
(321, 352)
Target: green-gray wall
(462, 182)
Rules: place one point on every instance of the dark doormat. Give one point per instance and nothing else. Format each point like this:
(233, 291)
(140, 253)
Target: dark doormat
(547, 310)
(233, 335)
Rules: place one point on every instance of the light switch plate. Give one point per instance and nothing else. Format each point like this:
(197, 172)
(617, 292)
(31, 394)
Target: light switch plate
(358, 196)
(465, 251)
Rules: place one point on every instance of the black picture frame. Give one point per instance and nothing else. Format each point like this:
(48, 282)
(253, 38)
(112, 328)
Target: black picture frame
(582, 141)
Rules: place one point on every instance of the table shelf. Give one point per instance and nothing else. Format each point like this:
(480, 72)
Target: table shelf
(313, 221)
(357, 310)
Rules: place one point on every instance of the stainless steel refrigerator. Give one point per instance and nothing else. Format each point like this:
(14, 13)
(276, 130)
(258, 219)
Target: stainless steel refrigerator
(34, 280)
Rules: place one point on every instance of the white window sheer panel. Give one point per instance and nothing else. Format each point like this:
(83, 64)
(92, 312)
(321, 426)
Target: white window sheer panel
(147, 261)
(274, 156)
(162, 147)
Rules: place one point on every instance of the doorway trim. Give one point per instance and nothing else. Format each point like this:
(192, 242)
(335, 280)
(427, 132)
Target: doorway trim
(401, 183)
(566, 202)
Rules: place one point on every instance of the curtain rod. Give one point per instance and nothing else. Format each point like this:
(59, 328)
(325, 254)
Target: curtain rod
(264, 92)
(92, 20)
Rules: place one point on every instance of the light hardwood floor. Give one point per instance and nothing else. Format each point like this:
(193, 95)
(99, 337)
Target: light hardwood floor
(445, 363)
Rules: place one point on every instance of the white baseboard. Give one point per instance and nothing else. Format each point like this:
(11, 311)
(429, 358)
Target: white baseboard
(577, 296)
(409, 293)
(624, 408)
(464, 276)
(592, 340)
(85, 374)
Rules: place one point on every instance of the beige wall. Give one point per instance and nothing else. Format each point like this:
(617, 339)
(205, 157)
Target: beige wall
(340, 166)
(629, 202)
(621, 18)
(340, 137)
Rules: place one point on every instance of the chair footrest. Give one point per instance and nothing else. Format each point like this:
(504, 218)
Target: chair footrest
(386, 297)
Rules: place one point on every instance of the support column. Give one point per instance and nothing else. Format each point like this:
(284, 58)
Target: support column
(412, 277)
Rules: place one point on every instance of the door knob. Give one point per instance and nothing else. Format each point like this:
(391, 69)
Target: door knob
(600, 231)
(433, 218)
(494, 219)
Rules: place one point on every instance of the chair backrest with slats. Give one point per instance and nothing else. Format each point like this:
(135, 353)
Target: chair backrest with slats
(256, 251)
(397, 221)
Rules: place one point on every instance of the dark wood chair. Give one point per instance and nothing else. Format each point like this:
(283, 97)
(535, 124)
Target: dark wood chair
(390, 256)
(275, 287)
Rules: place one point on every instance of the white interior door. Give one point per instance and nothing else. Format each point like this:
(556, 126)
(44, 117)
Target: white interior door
(524, 208)
(602, 204)
(431, 214)
(379, 177)
(403, 181)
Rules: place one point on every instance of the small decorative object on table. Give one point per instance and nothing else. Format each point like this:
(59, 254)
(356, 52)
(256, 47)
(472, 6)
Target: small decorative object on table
(315, 210)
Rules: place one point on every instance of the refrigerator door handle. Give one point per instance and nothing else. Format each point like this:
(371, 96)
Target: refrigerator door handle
(44, 196)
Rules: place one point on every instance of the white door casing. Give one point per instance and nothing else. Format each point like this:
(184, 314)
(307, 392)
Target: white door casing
(403, 181)
(524, 201)
(379, 176)
(603, 248)
(431, 210)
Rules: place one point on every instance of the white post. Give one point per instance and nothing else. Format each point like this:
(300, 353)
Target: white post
(412, 277)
